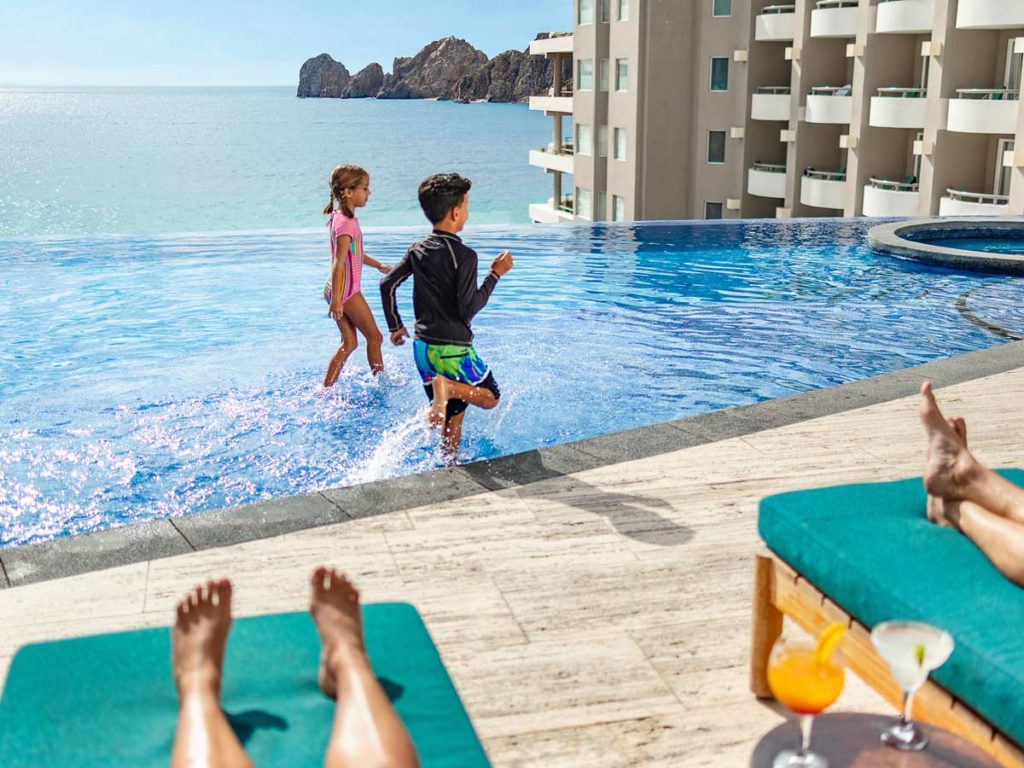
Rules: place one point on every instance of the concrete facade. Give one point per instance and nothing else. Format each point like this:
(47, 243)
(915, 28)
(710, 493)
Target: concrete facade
(863, 107)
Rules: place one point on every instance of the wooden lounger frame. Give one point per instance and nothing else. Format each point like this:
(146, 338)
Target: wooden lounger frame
(780, 591)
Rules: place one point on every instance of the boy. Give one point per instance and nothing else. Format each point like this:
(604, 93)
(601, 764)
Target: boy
(445, 298)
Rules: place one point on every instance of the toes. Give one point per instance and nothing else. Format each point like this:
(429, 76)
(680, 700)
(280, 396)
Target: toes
(320, 577)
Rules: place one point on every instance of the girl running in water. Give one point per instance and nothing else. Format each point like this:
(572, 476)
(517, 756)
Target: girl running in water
(350, 189)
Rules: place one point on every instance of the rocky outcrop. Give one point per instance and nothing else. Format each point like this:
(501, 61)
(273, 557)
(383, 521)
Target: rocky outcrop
(367, 82)
(323, 77)
(445, 69)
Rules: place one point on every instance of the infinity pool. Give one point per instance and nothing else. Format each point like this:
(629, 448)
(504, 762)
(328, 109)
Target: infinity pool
(145, 377)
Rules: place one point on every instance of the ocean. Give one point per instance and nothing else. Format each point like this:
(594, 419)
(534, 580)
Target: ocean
(78, 160)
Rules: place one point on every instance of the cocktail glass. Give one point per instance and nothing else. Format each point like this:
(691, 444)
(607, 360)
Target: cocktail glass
(913, 649)
(807, 685)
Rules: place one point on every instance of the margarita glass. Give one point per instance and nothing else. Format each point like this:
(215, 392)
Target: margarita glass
(913, 649)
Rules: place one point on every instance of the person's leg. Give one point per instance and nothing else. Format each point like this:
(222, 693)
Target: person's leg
(367, 732)
(451, 436)
(445, 389)
(203, 738)
(942, 511)
(349, 342)
(1001, 539)
(955, 475)
(359, 312)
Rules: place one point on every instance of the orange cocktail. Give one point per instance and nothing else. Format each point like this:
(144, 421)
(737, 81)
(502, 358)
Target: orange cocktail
(803, 682)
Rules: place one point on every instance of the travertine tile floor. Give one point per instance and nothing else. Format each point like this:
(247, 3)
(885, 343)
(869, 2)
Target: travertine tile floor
(599, 619)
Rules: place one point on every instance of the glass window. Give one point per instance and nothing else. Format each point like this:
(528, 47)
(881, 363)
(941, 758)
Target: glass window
(712, 210)
(623, 10)
(606, 10)
(620, 144)
(602, 141)
(585, 76)
(585, 12)
(602, 75)
(618, 208)
(716, 146)
(722, 8)
(621, 74)
(583, 209)
(602, 206)
(719, 73)
(584, 140)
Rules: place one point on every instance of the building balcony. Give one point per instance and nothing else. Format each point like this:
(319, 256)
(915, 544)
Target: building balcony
(560, 102)
(899, 108)
(905, 16)
(776, 23)
(829, 104)
(824, 189)
(883, 197)
(552, 158)
(767, 180)
(550, 213)
(984, 110)
(958, 202)
(770, 103)
(561, 44)
(989, 14)
(834, 18)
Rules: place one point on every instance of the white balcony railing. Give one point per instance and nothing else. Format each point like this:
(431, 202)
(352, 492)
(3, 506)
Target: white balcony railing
(552, 212)
(958, 202)
(834, 18)
(896, 107)
(823, 189)
(829, 104)
(984, 110)
(989, 14)
(770, 103)
(775, 23)
(561, 102)
(552, 45)
(552, 158)
(884, 197)
(905, 16)
(767, 180)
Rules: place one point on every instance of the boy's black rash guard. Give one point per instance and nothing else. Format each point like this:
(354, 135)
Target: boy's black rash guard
(445, 296)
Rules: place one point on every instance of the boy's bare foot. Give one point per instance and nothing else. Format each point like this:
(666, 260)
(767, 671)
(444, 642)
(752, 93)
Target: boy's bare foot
(200, 632)
(334, 605)
(439, 406)
(951, 468)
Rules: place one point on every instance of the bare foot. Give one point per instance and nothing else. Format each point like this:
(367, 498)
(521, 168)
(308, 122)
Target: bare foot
(941, 511)
(200, 632)
(334, 604)
(951, 468)
(439, 406)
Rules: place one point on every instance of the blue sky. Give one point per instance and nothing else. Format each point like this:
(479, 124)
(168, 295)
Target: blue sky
(231, 42)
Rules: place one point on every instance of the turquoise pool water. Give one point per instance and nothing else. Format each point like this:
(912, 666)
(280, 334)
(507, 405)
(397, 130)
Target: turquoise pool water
(151, 376)
(982, 243)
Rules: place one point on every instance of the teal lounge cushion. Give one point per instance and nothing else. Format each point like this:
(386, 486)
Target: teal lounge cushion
(108, 701)
(871, 549)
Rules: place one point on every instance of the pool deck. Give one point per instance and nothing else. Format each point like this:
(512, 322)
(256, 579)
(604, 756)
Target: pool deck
(595, 616)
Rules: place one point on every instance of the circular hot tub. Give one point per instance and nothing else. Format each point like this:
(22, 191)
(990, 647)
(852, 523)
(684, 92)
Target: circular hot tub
(979, 244)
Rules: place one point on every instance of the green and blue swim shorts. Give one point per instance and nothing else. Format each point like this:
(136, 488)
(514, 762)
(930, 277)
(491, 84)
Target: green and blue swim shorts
(455, 362)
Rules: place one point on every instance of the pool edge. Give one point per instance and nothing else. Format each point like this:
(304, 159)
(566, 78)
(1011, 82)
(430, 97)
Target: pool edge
(154, 539)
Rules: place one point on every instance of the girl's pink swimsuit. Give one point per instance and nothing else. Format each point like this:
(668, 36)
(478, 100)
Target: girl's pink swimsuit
(340, 224)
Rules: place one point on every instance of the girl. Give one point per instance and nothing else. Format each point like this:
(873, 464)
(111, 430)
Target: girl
(350, 189)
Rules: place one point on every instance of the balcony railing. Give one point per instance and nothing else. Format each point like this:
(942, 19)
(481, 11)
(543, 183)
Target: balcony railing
(564, 149)
(839, 175)
(896, 92)
(565, 204)
(977, 197)
(564, 92)
(836, 4)
(832, 90)
(907, 185)
(988, 94)
(774, 90)
(769, 167)
(771, 10)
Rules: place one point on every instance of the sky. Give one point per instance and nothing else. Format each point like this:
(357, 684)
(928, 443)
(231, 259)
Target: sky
(244, 42)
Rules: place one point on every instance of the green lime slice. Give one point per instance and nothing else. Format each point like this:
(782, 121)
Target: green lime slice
(919, 655)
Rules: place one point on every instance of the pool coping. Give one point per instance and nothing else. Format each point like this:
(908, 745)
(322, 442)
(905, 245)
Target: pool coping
(154, 539)
(887, 239)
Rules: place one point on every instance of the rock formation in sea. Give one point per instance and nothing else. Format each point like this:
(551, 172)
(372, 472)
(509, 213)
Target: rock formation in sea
(445, 69)
(323, 77)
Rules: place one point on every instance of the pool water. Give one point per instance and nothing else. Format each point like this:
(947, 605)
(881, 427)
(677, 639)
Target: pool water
(149, 376)
(984, 244)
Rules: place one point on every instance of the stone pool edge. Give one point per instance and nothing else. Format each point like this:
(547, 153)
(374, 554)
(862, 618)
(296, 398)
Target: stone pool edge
(139, 542)
(888, 239)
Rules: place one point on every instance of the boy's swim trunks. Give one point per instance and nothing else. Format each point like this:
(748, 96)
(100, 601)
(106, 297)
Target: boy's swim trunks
(455, 362)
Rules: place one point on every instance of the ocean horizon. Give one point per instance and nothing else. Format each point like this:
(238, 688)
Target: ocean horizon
(80, 160)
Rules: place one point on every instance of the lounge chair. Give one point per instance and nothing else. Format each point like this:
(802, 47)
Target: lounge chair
(862, 554)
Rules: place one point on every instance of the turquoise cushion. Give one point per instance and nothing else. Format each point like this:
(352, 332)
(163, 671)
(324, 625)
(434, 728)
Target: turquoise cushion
(871, 549)
(109, 700)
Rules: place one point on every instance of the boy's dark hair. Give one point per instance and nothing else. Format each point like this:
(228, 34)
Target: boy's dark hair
(442, 192)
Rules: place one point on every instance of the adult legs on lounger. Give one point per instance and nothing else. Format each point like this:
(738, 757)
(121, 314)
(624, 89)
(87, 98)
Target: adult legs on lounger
(366, 731)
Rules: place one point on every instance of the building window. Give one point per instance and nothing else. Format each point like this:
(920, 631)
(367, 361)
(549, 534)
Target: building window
(602, 206)
(584, 140)
(602, 75)
(621, 74)
(719, 73)
(712, 210)
(585, 75)
(585, 12)
(602, 141)
(618, 208)
(583, 209)
(619, 153)
(716, 146)
(606, 10)
(623, 10)
(722, 8)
